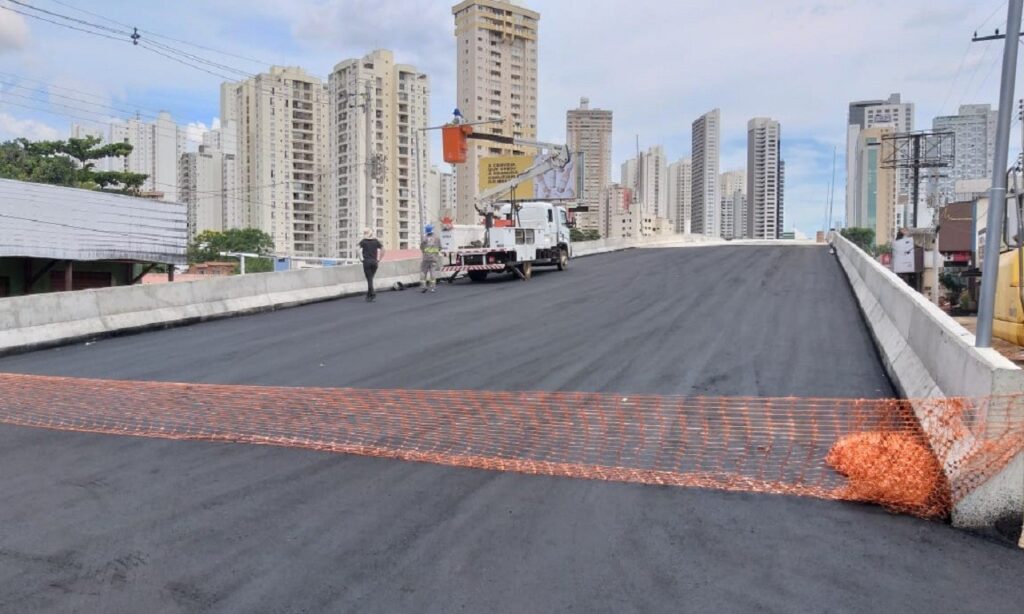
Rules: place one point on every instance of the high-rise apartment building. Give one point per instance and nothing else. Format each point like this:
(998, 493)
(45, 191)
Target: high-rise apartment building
(733, 190)
(765, 179)
(440, 196)
(628, 173)
(497, 78)
(201, 188)
(380, 160)
(680, 194)
(877, 187)
(615, 199)
(282, 135)
(207, 182)
(647, 177)
(447, 186)
(589, 135)
(867, 114)
(974, 130)
(156, 149)
(705, 208)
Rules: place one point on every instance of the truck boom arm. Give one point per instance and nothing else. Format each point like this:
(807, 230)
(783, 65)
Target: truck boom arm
(557, 156)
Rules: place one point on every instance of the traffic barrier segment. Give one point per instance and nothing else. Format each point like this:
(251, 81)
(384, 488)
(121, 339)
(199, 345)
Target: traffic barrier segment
(927, 355)
(43, 320)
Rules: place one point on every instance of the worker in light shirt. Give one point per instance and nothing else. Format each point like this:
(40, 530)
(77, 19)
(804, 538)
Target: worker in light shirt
(431, 248)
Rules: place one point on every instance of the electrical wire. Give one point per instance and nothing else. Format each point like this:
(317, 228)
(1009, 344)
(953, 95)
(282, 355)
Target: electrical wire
(154, 34)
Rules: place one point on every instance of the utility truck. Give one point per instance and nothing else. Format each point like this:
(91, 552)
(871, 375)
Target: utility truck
(513, 237)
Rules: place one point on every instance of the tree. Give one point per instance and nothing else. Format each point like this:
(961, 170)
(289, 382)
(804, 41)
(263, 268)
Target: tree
(863, 238)
(583, 235)
(68, 163)
(210, 243)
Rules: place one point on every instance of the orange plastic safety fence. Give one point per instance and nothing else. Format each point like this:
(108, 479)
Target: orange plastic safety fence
(910, 456)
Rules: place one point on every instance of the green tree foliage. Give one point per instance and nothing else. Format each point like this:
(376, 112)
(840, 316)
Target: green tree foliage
(70, 163)
(863, 238)
(583, 235)
(210, 243)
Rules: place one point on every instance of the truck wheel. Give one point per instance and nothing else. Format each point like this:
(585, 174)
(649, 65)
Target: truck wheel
(563, 260)
(477, 275)
(526, 269)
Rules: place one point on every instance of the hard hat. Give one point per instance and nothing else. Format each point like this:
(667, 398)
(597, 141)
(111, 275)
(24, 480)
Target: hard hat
(429, 229)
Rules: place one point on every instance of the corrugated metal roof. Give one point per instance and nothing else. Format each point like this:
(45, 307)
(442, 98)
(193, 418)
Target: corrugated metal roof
(45, 221)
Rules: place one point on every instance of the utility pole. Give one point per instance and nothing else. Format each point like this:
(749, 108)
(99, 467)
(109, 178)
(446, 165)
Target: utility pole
(368, 107)
(997, 196)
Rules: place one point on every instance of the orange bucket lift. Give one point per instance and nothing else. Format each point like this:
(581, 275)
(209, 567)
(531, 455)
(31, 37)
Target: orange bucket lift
(453, 141)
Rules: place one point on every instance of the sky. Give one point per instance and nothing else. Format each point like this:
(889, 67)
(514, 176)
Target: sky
(657, 64)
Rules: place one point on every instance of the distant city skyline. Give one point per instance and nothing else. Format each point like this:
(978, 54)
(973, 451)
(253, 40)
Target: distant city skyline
(805, 73)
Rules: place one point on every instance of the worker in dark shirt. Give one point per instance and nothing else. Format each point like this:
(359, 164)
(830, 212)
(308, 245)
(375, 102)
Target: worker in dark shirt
(371, 253)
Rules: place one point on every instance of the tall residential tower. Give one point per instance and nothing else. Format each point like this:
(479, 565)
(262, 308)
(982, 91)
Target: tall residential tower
(379, 109)
(706, 147)
(281, 119)
(588, 133)
(496, 79)
(765, 179)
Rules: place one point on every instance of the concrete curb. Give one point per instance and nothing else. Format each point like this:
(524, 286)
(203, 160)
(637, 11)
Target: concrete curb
(44, 320)
(928, 355)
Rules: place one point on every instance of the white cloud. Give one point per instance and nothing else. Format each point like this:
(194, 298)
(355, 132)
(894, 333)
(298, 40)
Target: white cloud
(12, 127)
(13, 31)
(194, 132)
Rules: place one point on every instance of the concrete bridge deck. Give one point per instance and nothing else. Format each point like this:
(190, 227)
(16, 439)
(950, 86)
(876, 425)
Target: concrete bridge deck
(103, 523)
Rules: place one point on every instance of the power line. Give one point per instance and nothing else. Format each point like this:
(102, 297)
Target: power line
(67, 18)
(63, 25)
(172, 39)
(166, 51)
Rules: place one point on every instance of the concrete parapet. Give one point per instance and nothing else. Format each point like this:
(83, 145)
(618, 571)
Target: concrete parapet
(929, 355)
(41, 320)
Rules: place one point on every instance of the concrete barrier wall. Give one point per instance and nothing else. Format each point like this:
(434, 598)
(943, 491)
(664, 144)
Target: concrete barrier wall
(40, 320)
(603, 246)
(928, 355)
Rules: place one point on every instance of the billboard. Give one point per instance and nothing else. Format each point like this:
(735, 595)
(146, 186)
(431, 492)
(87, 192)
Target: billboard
(496, 170)
(556, 184)
(903, 256)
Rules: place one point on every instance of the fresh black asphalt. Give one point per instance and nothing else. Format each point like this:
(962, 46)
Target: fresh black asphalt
(96, 523)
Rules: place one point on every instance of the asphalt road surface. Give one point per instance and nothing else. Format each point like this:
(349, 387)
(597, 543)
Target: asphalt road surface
(96, 523)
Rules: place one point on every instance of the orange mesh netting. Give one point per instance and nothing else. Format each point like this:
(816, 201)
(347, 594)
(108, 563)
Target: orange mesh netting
(910, 456)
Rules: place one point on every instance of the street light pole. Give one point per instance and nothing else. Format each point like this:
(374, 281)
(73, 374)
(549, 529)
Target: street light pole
(997, 196)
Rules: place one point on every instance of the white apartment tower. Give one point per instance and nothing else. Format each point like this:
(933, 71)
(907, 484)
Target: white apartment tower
(647, 177)
(589, 134)
(281, 117)
(156, 149)
(206, 183)
(628, 173)
(680, 194)
(201, 187)
(765, 177)
(892, 113)
(733, 189)
(615, 200)
(497, 78)
(447, 185)
(974, 130)
(380, 160)
(705, 163)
